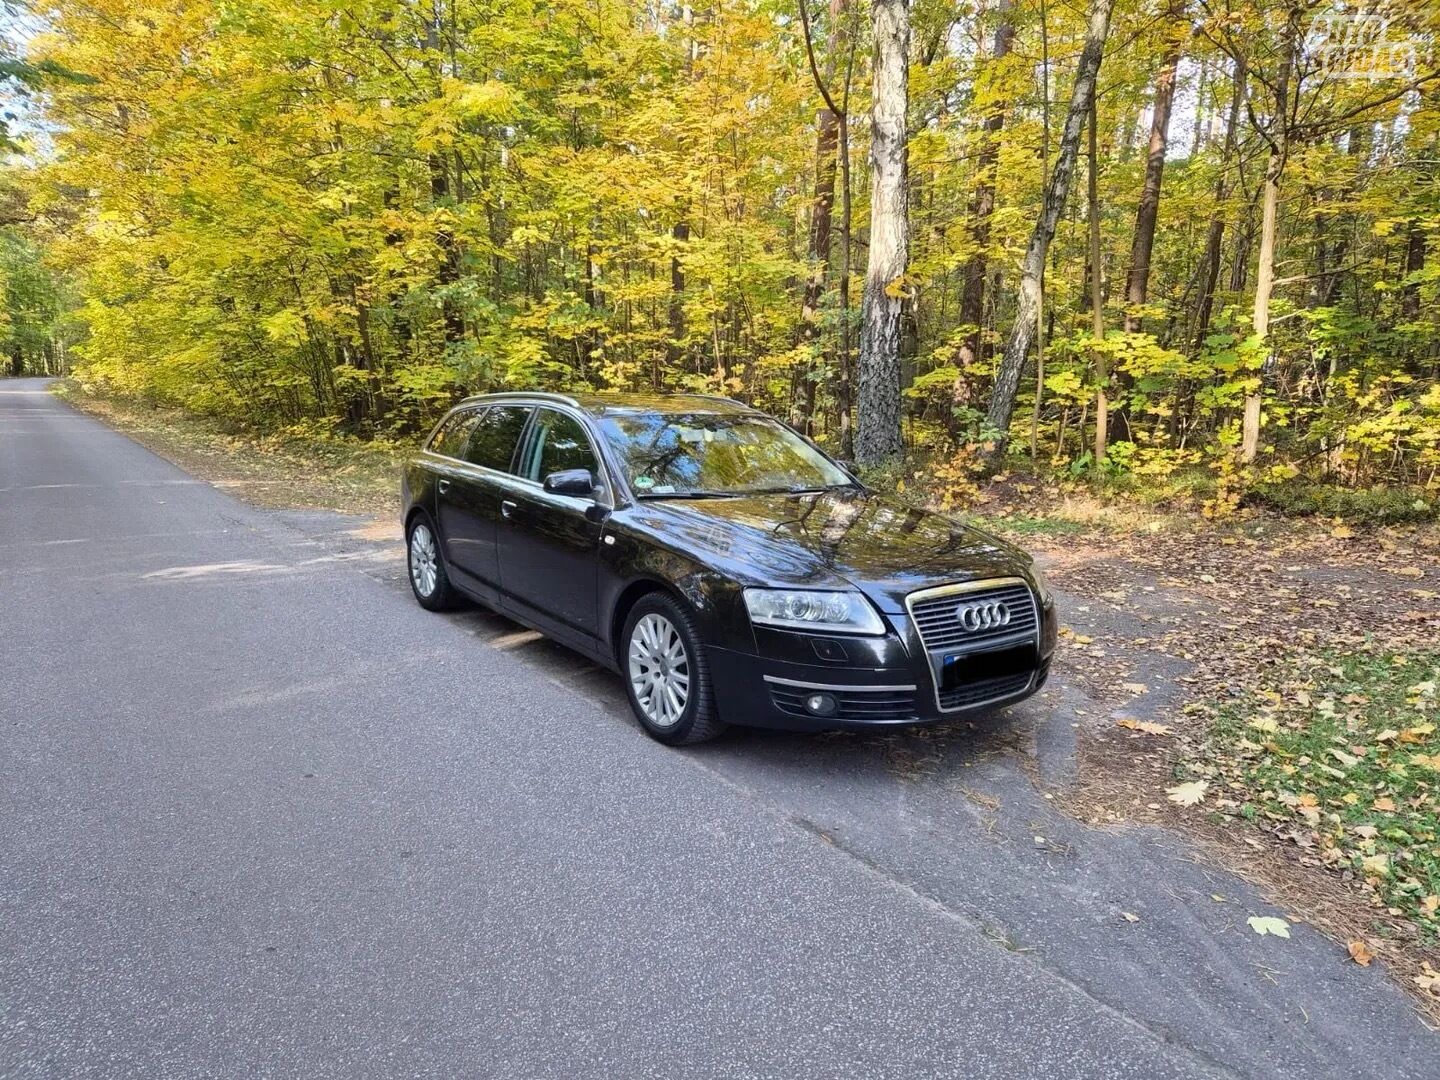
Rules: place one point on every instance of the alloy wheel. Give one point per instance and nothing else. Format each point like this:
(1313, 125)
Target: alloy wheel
(659, 670)
(424, 567)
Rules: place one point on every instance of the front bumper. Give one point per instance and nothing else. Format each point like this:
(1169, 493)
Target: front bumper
(872, 682)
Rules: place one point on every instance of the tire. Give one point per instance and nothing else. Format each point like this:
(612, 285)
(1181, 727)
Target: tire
(660, 637)
(428, 574)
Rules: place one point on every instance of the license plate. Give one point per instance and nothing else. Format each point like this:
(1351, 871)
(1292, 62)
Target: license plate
(958, 669)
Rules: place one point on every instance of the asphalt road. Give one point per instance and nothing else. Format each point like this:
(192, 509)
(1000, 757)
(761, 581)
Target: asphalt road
(261, 815)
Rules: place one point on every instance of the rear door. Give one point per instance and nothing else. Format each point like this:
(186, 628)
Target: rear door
(549, 544)
(470, 502)
(445, 457)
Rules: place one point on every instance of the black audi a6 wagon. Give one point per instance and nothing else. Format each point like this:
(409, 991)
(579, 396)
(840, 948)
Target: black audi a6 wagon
(726, 567)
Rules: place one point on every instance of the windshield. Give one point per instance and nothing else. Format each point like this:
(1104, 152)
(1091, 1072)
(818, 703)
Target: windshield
(699, 454)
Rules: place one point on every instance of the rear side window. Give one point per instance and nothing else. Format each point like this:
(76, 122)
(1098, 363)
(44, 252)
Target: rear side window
(492, 443)
(559, 442)
(450, 437)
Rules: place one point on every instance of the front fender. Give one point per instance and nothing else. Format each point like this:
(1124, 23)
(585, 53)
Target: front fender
(634, 563)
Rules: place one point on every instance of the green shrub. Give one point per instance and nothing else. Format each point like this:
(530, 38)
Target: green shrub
(1373, 506)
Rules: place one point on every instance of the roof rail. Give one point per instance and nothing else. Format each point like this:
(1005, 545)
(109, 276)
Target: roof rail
(545, 395)
(721, 397)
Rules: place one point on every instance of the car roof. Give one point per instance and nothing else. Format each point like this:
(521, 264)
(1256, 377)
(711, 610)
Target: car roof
(602, 404)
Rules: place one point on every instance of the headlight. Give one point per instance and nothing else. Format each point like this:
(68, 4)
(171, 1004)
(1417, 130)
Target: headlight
(845, 612)
(1042, 586)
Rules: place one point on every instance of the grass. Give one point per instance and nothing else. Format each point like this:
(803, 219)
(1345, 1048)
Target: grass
(295, 469)
(1030, 524)
(1342, 757)
(1372, 506)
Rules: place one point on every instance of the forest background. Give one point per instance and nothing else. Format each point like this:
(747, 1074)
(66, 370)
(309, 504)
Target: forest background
(1185, 247)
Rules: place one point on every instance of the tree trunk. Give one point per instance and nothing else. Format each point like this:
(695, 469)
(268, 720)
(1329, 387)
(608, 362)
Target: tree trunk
(1210, 261)
(1269, 214)
(674, 347)
(1097, 294)
(1044, 179)
(877, 436)
(1414, 263)
(1012, 364)
(441, 193)
(982, 202)
(1264, 287)
(822, 204)
(1196, 135)
(1137, 282)
(1147, 212)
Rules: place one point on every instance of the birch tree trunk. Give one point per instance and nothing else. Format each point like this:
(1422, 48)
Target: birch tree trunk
(1269, 216)
(877, 435)
(1264, 287)
(1012, 364)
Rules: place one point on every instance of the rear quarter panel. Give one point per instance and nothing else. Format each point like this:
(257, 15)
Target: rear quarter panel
(417, 489)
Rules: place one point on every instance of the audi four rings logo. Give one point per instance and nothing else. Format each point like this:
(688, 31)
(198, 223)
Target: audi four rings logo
(987, 615)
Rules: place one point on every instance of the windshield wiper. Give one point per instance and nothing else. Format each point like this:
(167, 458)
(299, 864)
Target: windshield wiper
(794, 490)
(690, 494)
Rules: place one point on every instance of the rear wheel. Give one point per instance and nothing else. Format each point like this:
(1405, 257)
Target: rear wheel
(428, 579)
(666, 677)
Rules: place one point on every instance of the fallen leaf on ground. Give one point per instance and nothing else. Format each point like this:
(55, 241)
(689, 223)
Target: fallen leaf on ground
(1135, 687)
(1147, 726)
(1269, 924)
(1129, 917)
(1360, 953)
(1429, 981)
(1188, 794)
(1376, 864)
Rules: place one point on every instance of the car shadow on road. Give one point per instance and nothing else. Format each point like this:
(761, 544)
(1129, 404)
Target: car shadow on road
(932, 752)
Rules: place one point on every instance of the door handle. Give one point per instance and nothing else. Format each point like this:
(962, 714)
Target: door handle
(444, 486)
(507, 508)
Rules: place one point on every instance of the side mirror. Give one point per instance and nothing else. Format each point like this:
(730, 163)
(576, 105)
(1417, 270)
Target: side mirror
(579, 483)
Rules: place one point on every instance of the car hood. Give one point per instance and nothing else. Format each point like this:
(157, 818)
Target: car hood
(877, 543)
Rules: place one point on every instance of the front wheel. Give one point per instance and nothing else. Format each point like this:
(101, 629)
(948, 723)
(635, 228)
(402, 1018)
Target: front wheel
(666, 677)
(428, 579)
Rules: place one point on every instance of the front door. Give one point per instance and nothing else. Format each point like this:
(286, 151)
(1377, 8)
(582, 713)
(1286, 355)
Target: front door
(549, 543)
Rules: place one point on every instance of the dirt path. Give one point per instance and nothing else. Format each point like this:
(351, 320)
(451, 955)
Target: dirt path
(1169, 630)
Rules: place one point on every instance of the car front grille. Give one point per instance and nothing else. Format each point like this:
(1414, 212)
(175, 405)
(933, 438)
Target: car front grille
(872, 705)
(938, 618)
(971, 694)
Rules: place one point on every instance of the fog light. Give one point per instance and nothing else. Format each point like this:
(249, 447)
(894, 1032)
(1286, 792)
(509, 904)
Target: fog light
(821, 704)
